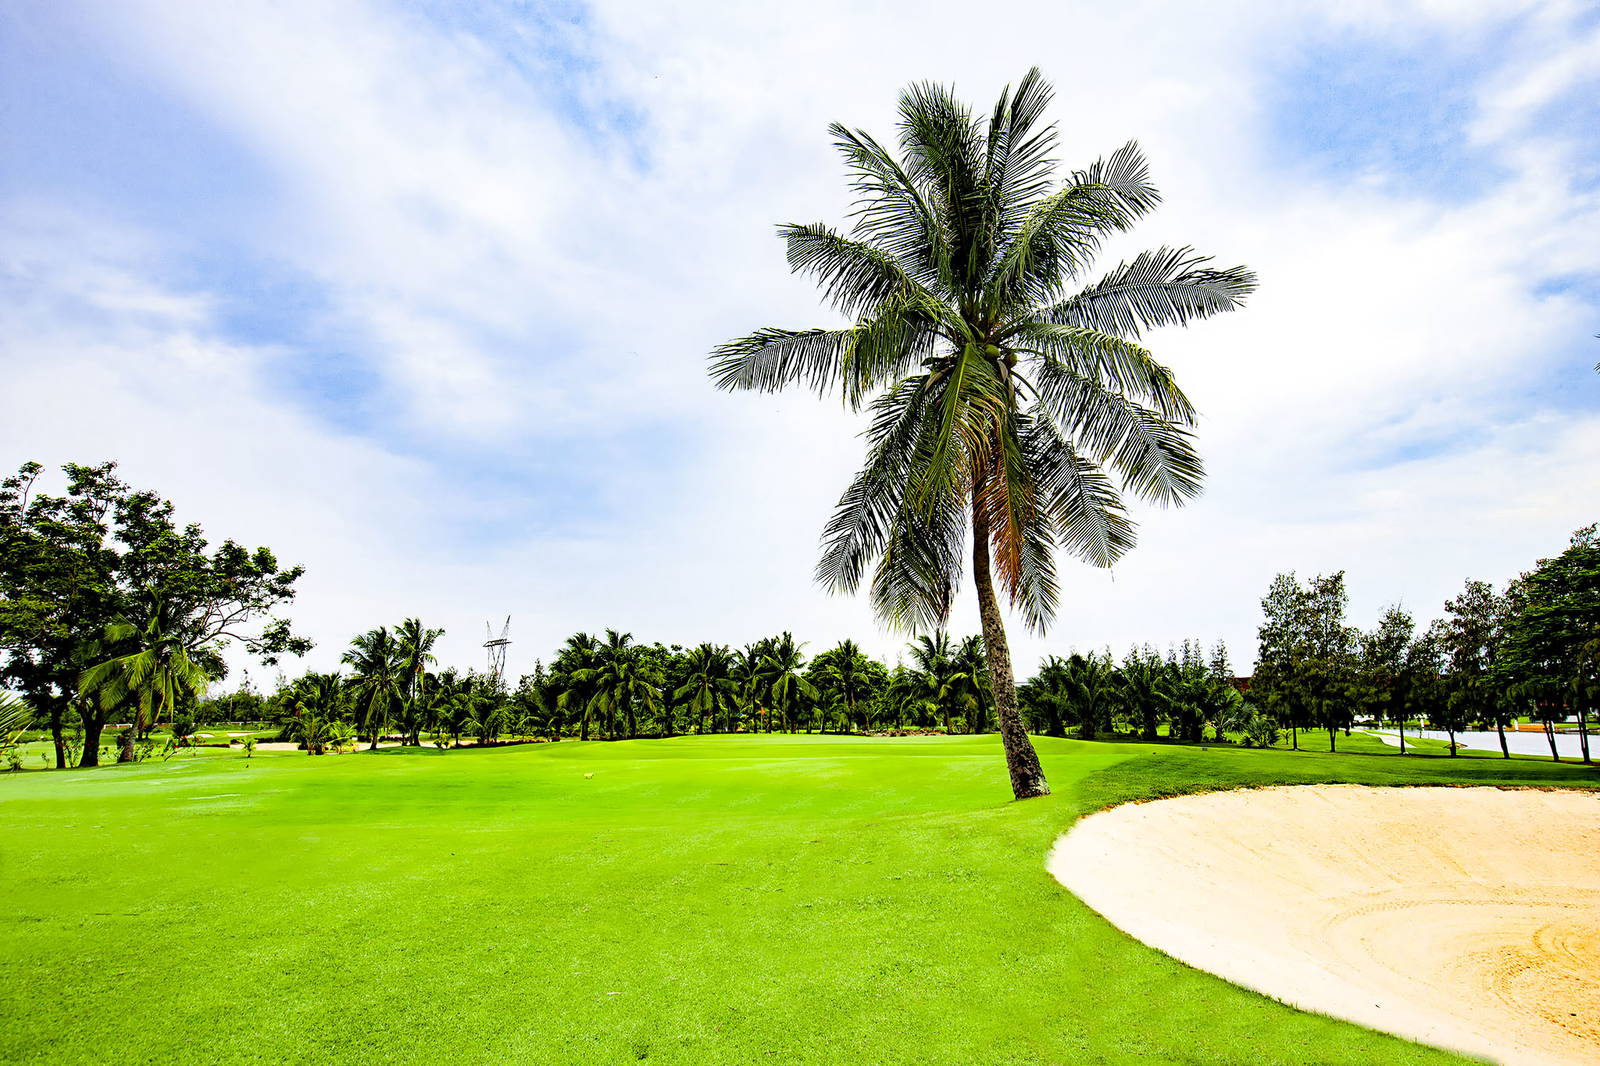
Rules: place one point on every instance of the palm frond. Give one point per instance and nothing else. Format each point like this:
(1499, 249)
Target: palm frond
(1154, 457)
(770, 359)
(1089, 516)
(1111, 361)
(1160, 287)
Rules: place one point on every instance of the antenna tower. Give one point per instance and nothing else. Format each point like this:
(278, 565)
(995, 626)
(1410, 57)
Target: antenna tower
(496, 647)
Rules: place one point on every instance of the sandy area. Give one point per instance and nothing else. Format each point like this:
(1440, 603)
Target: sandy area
(1467, 918)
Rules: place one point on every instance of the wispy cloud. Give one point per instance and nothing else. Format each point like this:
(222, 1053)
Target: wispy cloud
(420, 295)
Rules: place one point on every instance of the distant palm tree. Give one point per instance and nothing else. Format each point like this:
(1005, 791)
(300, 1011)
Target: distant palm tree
(415, 645)
(314, 703)
(150, 669)
(934, 666)
(578, 657)
(376, 664)
(619, 684)
(968, 683)
(710, 688)
(1145, 691)
(843, 677)
(782, 680)
(749, 682)
(1090, 682)
(1000, 385)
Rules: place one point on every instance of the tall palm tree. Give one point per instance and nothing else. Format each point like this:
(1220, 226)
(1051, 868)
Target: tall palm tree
(782, 680)
(1001, 386)
(149, 668)
(415, 645)
(375, 661)
(710, 688)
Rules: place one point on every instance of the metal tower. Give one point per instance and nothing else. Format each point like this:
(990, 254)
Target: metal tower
(496, 647)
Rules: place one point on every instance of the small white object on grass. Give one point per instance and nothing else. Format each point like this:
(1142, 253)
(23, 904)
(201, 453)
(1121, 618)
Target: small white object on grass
(588, 775)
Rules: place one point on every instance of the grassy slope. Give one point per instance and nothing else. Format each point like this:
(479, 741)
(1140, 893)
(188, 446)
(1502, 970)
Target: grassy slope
(795, 900)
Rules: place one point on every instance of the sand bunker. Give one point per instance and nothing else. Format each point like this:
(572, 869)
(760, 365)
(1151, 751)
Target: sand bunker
(1467, 918)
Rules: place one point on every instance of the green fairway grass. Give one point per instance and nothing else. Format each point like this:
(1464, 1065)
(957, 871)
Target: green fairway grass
(728, 899)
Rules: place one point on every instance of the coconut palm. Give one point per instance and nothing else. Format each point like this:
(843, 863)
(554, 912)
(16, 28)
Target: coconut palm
(314, 703)
(968, 684)
(619, 685)
(375, 661)
(933, 665)
(576, 660)
(150, 669)
(415, 647)
(782, 680)
(1001, 387)
(749, 682)
(841, 674)
(710, 688)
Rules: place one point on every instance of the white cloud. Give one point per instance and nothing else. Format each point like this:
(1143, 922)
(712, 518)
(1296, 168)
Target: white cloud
(531, 291)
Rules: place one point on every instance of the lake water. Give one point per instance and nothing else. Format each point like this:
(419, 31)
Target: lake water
(1519, 743)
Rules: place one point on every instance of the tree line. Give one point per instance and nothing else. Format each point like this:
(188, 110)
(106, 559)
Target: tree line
(1529, 650)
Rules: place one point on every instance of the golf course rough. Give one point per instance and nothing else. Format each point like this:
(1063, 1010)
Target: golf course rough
(727, 899)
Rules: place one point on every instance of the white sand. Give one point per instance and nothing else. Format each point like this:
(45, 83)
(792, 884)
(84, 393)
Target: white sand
(1468, 918)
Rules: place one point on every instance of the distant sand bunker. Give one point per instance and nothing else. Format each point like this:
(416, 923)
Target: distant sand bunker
(1467, 918)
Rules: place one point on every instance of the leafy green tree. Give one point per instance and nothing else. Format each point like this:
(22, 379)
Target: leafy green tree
(1380, 691)
(377, 667)
(1551, 613)
(314, 703)
(1474, 633)
(1001, 387)
(103, 554)
(847, 679)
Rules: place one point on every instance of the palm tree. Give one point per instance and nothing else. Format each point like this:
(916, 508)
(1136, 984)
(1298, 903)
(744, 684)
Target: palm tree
(710, 687)
(149, 668)
(1090, 684)
(314, 703)
(934, 666)
(578, 657)
(781, 678)
(619, 683)
(750, 679)
(841, 673)
(375, 659)
(415, 646)
(968, 685)
(1000, 386)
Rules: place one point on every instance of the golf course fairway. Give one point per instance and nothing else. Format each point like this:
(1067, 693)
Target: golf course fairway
(728, 899)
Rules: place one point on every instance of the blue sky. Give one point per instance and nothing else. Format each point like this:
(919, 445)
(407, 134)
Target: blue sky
(420, 294)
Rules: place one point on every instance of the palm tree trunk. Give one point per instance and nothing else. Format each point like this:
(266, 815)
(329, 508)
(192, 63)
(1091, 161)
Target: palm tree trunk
(1583, 731)
(1500, 727)
(1027, 776)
